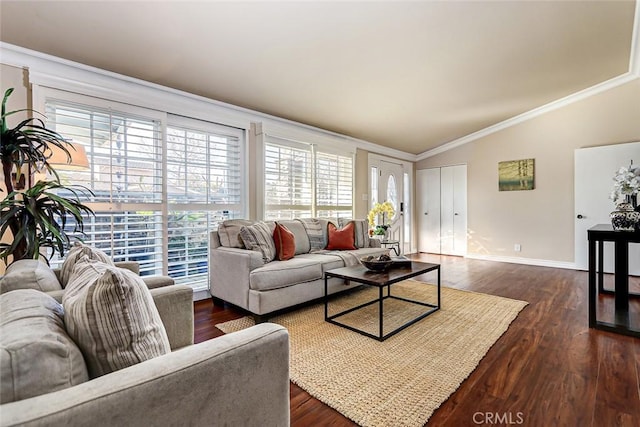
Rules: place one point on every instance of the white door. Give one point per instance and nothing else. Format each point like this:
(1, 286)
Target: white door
(442, 218)
(390, 188)
(453, 210)
(428, 199)
(594, 171)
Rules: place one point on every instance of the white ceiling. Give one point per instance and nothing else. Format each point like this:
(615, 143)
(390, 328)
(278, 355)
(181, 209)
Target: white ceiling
(407, 75)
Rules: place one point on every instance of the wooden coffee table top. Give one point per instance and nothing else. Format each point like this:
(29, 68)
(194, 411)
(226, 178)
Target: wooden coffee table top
(360, 274)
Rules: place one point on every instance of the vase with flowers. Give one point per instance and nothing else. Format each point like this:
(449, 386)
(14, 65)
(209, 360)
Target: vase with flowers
(626, 186)
(378, 217)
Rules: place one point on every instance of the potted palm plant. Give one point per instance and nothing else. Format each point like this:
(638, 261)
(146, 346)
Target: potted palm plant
(39, 217)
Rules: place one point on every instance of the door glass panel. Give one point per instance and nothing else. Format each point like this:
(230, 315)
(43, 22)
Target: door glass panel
(392, 194)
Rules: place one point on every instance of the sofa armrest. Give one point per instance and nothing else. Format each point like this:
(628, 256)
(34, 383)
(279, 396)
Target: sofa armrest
(175, 305)
(250, 370)
(229, 270)
(153, 282)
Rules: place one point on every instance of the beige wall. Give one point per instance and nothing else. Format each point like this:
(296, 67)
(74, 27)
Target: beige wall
(12, 77)
(541, 220)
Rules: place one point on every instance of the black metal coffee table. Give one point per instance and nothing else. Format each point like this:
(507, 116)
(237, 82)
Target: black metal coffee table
(381, 280)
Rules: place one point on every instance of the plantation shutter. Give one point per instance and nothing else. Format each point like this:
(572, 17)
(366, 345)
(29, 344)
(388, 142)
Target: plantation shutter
(334, 185)
(125, 153)
(288, 180)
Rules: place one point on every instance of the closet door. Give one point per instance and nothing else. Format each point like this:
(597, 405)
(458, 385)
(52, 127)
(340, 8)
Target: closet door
(447, 224)
(459, 210)
(442, 198)
(428, 196)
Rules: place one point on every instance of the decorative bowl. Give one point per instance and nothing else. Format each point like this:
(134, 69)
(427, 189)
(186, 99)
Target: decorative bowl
(376, 265)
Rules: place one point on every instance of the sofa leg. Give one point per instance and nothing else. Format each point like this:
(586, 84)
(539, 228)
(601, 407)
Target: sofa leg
(217, 302)
(259, 318)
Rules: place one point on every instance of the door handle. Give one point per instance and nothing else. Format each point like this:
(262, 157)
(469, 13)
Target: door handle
(426, 213)
(580, 216)
(456, 213)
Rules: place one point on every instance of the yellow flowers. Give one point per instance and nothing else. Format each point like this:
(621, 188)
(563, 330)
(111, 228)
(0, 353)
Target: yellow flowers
(385, 209)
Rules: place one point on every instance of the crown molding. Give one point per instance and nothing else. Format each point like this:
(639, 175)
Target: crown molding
(632, 74)
(554, 105)
(58, 73)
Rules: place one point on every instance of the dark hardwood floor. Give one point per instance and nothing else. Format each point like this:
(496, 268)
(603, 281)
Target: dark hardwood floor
(548, 369)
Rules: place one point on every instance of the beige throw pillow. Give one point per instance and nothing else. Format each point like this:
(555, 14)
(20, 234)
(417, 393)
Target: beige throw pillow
(76, 252)
(229, 232)
(29, 274)
(36, 354)
(110, 314)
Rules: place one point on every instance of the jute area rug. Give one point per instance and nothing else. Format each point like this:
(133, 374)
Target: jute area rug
(403, 380)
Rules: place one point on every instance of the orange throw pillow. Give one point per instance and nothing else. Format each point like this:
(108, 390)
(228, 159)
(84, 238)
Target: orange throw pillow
(341, 239)
(285, 242)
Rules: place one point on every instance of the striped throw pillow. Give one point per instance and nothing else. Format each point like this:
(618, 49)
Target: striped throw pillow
(257, 237)
(76, 252)
(110, 314)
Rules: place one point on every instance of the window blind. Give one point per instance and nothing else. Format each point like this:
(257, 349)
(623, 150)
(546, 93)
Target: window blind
(334, 185)
(125, 155)
(288, 187)
(158, 216)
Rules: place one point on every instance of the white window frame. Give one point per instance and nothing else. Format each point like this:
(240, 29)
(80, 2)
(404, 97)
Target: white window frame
(41, 95)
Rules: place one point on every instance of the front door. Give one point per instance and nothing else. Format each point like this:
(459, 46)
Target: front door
(391, 189)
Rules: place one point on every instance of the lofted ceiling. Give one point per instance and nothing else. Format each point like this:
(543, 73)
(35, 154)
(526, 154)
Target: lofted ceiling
(407, 75)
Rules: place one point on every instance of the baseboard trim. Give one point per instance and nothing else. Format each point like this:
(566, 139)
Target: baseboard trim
(526, 261)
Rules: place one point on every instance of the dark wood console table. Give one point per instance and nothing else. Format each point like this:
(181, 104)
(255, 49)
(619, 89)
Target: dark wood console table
(604, 233)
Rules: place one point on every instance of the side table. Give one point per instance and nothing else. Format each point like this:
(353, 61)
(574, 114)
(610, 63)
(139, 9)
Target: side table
(605, 233)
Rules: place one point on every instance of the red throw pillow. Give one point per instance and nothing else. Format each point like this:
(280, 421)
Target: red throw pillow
(341, 239)
(285, 242)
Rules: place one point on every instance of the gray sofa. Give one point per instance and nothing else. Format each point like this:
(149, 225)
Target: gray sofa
(250, 368)
(241, 277)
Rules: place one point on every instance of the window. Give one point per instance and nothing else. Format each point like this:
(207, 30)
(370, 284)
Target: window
(334, 185)
(301, 182)
(204, 187)
(125, 154)
(158, 216)
(288, 175)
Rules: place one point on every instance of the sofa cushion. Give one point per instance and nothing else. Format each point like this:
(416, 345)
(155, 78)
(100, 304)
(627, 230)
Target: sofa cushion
(341, 239)
(36, 354)
(279, 274)
(229, 232)
(78, 251)
(110, 314)
(328, 260)
(285, 242)
(317, 232)
(29, 274)
(300, 234)
(361, 231)
(258, 237)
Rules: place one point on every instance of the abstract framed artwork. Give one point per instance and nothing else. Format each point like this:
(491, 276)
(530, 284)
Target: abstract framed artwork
(516, 175)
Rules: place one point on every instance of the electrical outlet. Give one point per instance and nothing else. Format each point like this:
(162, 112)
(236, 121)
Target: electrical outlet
(365, 197)
(517, 247)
